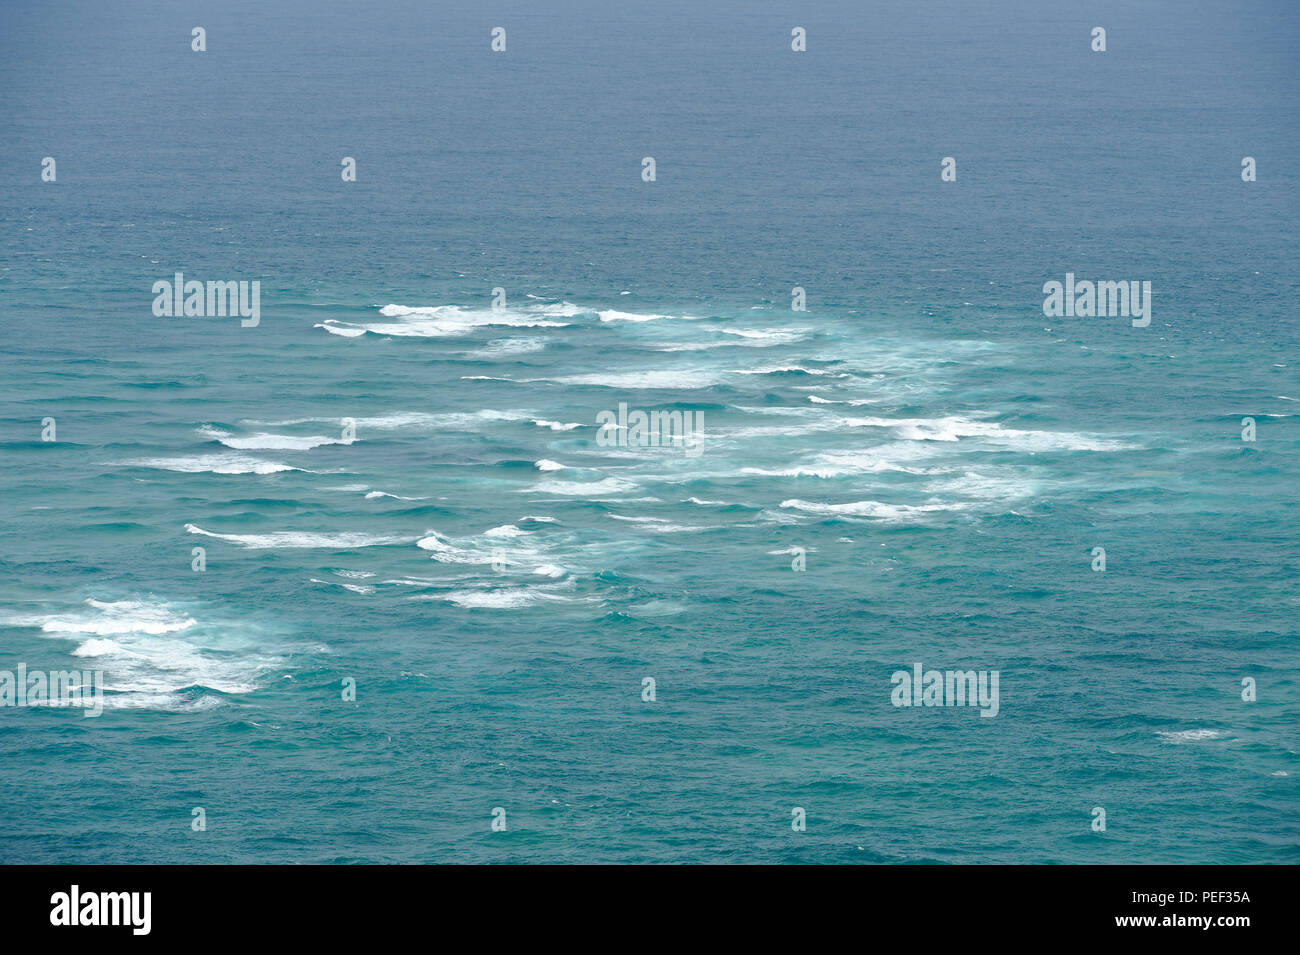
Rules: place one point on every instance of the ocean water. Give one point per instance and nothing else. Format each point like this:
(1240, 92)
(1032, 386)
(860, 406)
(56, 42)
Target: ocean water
(401, 488)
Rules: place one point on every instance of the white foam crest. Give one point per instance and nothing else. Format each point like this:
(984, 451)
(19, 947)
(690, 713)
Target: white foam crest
(508, 347)
(877, 510)
(441, 321)
(305, 540)
(1191, 736)
(738, 338)
(269, 442)
(444, 551)
(955, 427)
(559, 309)
(97, 647)
(660, 525)
(788, 369)
(355, 588)
(341, 329)
(684, 378)
(508, 548)
(150, 652)
(581, 488)
(506, 598)
(983, 486)
(505, 530)
(110, 618)
(475, 316)
(213, 464)
(695, 346)
(505, 546)
(780, 336)
(546, 464)
(151, 670)
(614, 315)
(413, 420)
(895, 456)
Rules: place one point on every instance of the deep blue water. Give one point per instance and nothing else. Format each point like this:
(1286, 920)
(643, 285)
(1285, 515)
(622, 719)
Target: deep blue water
(498, 582)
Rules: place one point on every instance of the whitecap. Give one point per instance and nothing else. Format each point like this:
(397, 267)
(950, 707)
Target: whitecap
(355, 588)
(446, 320)
(613, 315)
(508, 347)
(581, 488)
(660, 525)
(150, 652)
(509, 598)
(110, 618)
(213, 464)
(270, 442)
(878, 510)
(341, 329)
(955, 427)
(505, 530)
(97, 647)
(302, 539)
(413, 420)
(1191, 736)
(782, 336)
(662, 378)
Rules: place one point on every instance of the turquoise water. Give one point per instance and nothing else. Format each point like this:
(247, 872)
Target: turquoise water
(395, 483)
